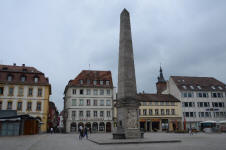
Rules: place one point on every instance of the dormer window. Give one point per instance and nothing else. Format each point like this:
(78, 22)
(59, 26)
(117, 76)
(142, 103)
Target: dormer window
(36, 79)
(220, 87)
(88, 81)
(199, 87)
(95, 82)
(184, 87)
(107, 82)
(213, 87)
(10, 78)
(191, 87)
(101, 82)
(81, 81)
(23, 78)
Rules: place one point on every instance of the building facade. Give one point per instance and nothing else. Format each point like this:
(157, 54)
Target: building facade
(202, 99)
(26, 90)
(53, 120)
(88, 102)
(159, 112)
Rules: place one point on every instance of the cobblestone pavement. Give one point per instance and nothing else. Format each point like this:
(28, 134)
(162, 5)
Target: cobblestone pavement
(71, 142)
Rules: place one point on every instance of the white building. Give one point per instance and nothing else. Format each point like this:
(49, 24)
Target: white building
(202, 98)
(88, 102)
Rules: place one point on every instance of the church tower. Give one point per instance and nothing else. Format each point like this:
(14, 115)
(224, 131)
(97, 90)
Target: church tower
(161, 84)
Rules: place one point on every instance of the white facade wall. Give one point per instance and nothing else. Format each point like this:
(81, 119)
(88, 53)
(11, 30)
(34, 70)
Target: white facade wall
(69, 96)
(194, 122)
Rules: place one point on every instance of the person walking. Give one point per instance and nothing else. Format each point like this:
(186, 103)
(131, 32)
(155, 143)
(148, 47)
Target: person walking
(80, 132)
(51, 130)
(86, 133)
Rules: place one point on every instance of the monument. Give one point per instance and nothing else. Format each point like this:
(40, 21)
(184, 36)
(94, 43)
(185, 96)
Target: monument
(127, 104)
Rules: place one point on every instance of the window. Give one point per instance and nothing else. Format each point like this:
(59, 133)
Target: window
(213, 87)
(161, 103)
(88, 81)
(144, 112)
(29, 106)
(162, 112)
(81, 92)
(88, 92)
(172, 103)
(19, 106)
(80, 113)
(73, 115)
(23, 78)
(185, 94)
(191, 114)
(191, 87)
(9, 106)
(94, 113)
(189, 94)
(108, 103)
(95, 92)
(108, 114)
(156, 112)
(101, 113)
(150, 103)
(101, 92)
(144, 103)
(107, 82)
(184, 87)
(73, 102)
(88, 102)
(81, 102)
(1, 90)
(30, 91)
(150, 111)
(156, 103)
(36, 79)
(108, 92)
(167, 111)
(10, 78)
(81, 81)
(11, 91)
(87, 113)
(39, 106)
(74, 91)
(39, 91)
(199, 87)
(101, 102)
(190, 104)
(21, 91)
(95, 82)
(220, 87)
(0, 105)
(186, 114)
(173, 111)
(95, 102)
(101, 82)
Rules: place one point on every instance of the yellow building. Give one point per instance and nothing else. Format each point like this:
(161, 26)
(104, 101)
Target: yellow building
(159, 112)
(26, 90)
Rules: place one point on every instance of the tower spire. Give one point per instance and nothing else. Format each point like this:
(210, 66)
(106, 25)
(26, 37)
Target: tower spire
(161, 78)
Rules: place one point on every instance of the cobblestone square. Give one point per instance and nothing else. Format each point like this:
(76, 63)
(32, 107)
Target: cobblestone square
(71, 142)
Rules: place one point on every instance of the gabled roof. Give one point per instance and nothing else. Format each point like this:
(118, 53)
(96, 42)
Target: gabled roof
(186, 83)
(92, 75)
(157, 98)
(18, 71)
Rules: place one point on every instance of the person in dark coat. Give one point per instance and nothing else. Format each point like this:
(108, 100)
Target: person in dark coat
(86, 132)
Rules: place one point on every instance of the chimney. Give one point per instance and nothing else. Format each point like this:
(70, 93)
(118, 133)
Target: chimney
(14, 64)
(23, 65)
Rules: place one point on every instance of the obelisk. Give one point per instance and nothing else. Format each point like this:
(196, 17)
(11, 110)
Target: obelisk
(127, 104)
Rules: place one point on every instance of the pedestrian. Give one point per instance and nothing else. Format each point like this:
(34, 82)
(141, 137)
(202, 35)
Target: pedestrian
(190, 131)
(86, 133)
(51, 130)
(80, 132)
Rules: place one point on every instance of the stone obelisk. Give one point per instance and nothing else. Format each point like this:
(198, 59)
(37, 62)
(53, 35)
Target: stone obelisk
(127, 104)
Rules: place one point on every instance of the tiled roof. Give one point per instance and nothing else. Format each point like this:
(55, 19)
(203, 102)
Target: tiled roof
(157, 97)
(92, 75)
(18, 71)
(186, 83)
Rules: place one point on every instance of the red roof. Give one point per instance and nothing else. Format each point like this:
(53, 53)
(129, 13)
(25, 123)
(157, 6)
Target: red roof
(88, 76)
(18, 71)
(157, 98)
(186, 83)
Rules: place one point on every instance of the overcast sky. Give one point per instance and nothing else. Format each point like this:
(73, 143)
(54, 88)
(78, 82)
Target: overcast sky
(62, 37)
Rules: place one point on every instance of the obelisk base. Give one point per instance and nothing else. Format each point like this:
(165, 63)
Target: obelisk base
(129, 134)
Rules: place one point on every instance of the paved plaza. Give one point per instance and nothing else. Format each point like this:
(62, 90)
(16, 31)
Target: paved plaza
(199, 141)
